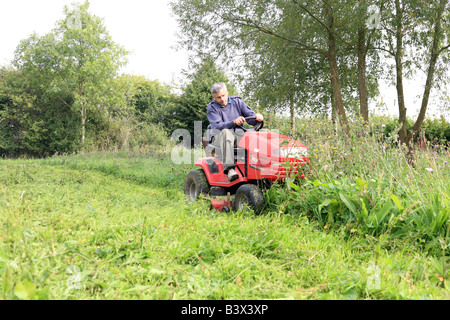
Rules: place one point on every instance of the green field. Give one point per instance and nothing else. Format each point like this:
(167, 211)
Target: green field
(92, 203)
(116, 226)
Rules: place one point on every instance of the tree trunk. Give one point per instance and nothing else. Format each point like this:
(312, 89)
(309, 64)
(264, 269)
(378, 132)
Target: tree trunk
(335, 82)
(292, 110)
(362, 66)
(292, 102)
(83, 128)
(431, 70)
(399, 70)
(333, 112)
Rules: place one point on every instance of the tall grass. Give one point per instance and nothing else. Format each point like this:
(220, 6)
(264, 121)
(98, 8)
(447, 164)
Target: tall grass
(368, 184)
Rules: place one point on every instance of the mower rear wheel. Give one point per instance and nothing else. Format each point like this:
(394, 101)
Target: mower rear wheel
(196, 184)
(250, 195)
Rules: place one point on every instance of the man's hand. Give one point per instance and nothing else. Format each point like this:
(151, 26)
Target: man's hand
(239, 121)
(259, 117)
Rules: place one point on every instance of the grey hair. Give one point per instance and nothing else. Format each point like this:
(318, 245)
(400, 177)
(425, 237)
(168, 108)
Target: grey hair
(217, 87)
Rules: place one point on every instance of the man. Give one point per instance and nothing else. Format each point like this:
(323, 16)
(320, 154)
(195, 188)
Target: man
(224, 113)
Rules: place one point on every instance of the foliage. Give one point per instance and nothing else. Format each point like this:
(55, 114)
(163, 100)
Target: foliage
(436, 131)
(31, 122)
(279, 75)
(78, 59)
(152, 101)
(416, 39)
(288, 51)
(128, 133)
(346, 204)
(371, 185)
(66, 82)
(116, 226)
(38, 123)
(384, 128)
(196, 95)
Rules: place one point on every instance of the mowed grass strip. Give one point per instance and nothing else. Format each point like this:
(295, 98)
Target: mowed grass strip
(83, 234)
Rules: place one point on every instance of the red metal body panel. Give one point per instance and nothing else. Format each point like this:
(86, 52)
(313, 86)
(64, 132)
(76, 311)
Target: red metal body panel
(262, 163)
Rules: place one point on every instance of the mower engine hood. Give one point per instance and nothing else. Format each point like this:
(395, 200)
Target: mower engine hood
(273, 147)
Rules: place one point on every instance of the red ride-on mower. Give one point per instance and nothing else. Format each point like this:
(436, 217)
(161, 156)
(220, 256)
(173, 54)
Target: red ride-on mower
(259, 157)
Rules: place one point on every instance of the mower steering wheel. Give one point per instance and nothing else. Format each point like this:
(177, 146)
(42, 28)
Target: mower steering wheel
(257, 127)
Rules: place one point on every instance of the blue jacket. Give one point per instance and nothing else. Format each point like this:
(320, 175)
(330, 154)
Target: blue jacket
(222, 117)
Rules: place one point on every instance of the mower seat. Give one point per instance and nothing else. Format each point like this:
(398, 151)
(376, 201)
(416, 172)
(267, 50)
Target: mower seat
(207, 143)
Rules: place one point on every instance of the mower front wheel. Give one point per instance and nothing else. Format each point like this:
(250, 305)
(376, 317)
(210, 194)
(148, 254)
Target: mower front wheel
(250, 195)
(196, 184)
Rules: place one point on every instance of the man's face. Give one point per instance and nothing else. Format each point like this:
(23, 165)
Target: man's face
(221, 97)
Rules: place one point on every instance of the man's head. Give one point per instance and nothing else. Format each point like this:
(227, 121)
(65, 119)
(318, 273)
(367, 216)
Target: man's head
(220, 93)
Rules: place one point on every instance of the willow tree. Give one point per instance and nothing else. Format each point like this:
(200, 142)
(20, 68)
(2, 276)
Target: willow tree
(278, 81)
(78, 57)
(230, 27)
(417, 38)
(367, 23)
(437, 44)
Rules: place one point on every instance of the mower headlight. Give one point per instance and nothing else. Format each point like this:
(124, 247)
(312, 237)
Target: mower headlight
(291, 152)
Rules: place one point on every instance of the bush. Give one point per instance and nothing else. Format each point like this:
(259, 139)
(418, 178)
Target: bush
(436, 130)
(127, 134)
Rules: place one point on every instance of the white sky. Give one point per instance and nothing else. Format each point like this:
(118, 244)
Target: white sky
(146, 28)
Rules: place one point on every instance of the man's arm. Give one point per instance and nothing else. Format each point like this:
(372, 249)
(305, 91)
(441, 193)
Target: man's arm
(248, 112)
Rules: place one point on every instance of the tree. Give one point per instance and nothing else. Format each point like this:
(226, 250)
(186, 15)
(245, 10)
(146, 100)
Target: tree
(196, 95)
(278, 81)
(416, 34)
(32, 123)
(320, 28)
(153, 101)
(78, 58)
(439, 37)
(367, 25)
